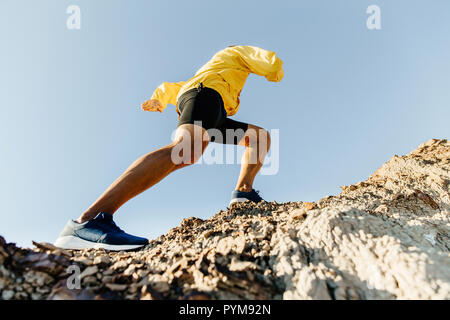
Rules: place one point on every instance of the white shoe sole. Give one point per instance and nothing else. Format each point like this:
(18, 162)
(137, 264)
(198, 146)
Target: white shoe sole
(75, 243)
(239, 200)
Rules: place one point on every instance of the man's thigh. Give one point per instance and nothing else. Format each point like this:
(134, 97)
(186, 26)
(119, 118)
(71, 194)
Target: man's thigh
(189, 143)
(231, 132)
(254, 135)
(190, 133)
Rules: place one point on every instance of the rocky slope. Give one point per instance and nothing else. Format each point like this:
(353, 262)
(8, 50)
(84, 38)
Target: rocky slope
(384, 238)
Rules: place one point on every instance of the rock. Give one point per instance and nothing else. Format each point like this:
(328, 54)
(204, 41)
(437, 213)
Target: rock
(310, 205)
(7, 294)
(157, 282)
(37, 278)
(237, 265)
(20, 296)
(51, 247)
(62, 292)
(120, 265)
(88, 271)
(426, 199)
(83, 260)
(102, 260)
(383, 238)
(298, 214)
(116, 287)
(197, 295)
(89, 281)
(130, 270)
(148, 293)
(226, 245)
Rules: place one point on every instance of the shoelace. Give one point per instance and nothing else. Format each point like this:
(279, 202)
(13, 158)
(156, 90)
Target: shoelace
(257, 192)
(115, 226)
(112, 224)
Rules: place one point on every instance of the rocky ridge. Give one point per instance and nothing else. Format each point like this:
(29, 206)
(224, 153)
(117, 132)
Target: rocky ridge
(384, 238)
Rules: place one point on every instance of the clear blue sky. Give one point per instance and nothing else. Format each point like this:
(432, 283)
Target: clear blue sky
(70, 117)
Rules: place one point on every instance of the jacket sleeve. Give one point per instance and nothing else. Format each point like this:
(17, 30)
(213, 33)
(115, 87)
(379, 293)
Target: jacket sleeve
(167, 93)
(259, 61)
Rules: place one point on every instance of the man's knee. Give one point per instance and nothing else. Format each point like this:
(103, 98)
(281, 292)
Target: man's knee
(266, 136)
(186, 151)
(257, 136)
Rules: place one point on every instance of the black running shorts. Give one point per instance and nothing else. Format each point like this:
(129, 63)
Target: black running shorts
(206, 105)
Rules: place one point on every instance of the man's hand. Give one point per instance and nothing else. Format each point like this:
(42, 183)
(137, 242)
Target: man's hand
(152, 105)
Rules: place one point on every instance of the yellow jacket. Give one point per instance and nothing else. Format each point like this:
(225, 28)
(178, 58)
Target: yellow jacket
(226, 73)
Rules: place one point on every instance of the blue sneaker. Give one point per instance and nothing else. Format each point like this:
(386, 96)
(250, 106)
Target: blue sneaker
(240, 196)
(100, 232)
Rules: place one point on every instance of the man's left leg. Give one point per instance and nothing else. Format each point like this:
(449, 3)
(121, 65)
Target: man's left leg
(256, 141)
(257, 144)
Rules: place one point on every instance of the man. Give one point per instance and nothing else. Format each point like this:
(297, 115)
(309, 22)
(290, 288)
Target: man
(204, 104)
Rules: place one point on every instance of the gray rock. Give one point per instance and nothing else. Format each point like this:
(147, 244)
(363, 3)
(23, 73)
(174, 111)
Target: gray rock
(383, 238)
(7, 294)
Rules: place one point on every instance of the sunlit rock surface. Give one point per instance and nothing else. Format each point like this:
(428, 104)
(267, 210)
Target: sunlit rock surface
(384, 238)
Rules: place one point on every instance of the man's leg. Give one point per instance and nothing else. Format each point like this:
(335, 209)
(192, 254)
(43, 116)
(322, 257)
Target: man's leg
(257, 143)
(149, 170)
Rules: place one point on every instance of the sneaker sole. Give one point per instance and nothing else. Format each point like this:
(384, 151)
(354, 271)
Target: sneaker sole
(75, 243)
(239, 200)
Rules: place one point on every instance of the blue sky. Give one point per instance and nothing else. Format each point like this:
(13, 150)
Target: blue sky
(70, 117)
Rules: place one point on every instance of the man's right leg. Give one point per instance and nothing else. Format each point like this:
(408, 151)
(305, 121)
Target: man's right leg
(95, 228)
(257, 145)
(150, 169)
